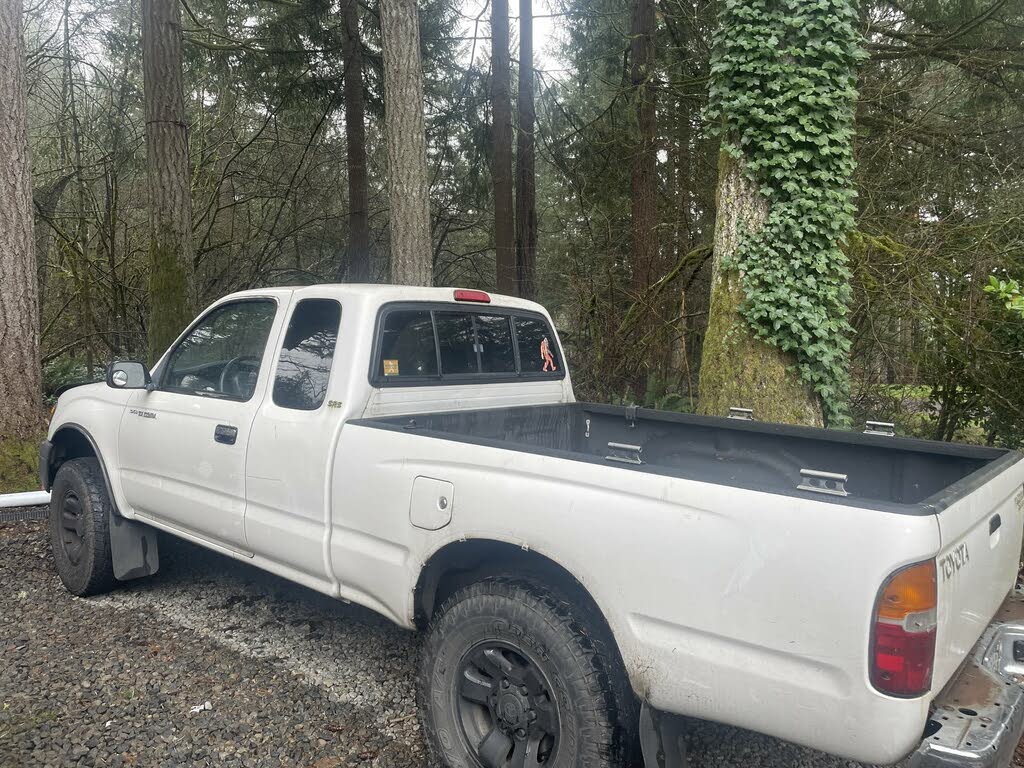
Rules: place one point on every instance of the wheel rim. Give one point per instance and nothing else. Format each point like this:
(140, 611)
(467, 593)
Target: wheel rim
(72, 527)
(506, 708)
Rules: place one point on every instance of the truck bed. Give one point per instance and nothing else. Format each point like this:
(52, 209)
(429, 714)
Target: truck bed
(888, 473)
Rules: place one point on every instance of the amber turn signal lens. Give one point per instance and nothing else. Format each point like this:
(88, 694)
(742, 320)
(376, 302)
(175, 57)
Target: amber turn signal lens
(911, 590)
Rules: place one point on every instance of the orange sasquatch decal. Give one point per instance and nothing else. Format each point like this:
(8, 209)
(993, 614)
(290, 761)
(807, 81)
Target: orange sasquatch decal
(545, 353)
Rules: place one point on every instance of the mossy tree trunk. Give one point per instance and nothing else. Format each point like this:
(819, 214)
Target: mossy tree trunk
(170, 181)
(737, 369)
(20, 405)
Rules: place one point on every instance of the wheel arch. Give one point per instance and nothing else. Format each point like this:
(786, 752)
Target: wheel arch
(463, 562)
(73, 441)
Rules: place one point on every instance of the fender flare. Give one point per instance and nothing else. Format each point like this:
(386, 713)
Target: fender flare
(51, 471)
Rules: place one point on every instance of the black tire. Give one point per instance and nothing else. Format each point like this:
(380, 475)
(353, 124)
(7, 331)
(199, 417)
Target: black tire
(79, 537)
(566, 703)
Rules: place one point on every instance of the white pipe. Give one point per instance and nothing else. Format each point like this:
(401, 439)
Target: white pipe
(30, 499)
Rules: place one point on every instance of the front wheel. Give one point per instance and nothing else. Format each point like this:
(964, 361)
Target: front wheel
(79, 534)
(511, 677)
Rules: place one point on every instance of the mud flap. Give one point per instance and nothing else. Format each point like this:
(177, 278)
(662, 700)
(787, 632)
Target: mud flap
(662, 739)
(133, 548)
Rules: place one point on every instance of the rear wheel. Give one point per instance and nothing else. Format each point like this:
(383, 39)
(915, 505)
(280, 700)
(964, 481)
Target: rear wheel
(511, 677)
(79, 537)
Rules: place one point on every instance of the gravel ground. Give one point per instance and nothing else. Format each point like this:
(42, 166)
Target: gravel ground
(293, 678)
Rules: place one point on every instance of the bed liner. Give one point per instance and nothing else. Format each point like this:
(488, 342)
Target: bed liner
(893, 474)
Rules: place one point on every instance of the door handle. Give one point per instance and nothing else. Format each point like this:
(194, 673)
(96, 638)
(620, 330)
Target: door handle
(994, 523)
(225, 434)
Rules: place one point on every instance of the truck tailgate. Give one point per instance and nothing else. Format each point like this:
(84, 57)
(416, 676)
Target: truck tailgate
(977, 566)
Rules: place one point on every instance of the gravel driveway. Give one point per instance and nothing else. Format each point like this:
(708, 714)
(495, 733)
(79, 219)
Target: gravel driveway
(293, 678)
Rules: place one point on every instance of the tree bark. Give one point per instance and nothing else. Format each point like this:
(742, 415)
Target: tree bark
(501, 149)
(408, 187)
(20, 375)
(171, 253)
(356, 268)
(526, 175)
(737, 369)
(644, 205)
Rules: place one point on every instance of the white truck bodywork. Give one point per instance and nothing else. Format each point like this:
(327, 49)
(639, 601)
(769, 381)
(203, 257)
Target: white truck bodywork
(726, 603)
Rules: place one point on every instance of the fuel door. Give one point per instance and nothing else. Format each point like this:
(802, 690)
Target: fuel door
(430, 507)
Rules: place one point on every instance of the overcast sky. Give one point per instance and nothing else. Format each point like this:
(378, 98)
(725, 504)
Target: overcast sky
(476, 20)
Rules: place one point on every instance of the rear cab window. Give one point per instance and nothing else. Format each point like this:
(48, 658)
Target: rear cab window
(442, 344)
(407, 346)
(538, 351)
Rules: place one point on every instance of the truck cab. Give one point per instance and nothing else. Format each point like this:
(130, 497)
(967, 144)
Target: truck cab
(232, 438)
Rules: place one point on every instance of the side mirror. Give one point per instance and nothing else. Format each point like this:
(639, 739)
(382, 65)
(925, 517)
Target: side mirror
(128, 374)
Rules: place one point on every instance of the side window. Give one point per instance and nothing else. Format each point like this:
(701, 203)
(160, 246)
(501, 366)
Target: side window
(538, 352)
(494, 340)
(407, 345)
(457, 342)
(304, 365)
(221, 356)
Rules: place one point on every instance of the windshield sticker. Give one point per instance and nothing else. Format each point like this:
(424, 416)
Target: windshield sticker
(390, 367)
(545, 353)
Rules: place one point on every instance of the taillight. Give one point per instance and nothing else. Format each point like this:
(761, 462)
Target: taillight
(903, 638)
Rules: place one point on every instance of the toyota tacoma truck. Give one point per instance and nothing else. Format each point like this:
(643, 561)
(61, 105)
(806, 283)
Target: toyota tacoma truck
(584, 574)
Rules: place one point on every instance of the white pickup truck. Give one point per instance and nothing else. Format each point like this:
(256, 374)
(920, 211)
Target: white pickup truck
(583, 573)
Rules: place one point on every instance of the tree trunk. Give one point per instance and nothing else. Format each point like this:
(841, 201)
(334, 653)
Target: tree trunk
(20, 376)
(408, 188)
(738, 369)
(356, 268)
(78, 255)
(170, 193)
(644, 187)
(526, 175)
(501, 149)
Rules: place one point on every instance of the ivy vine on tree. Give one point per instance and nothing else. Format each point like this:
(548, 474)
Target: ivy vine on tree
(783, 92)
(1007, 291)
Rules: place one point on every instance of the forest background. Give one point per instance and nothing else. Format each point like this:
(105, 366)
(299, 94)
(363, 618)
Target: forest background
(578, 152)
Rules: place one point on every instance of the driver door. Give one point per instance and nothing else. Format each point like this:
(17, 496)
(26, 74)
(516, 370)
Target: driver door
(182, 446)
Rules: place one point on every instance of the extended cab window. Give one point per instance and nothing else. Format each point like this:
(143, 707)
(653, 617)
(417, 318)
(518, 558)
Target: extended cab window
(221, 355)
(304, 365)
(463, 345)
